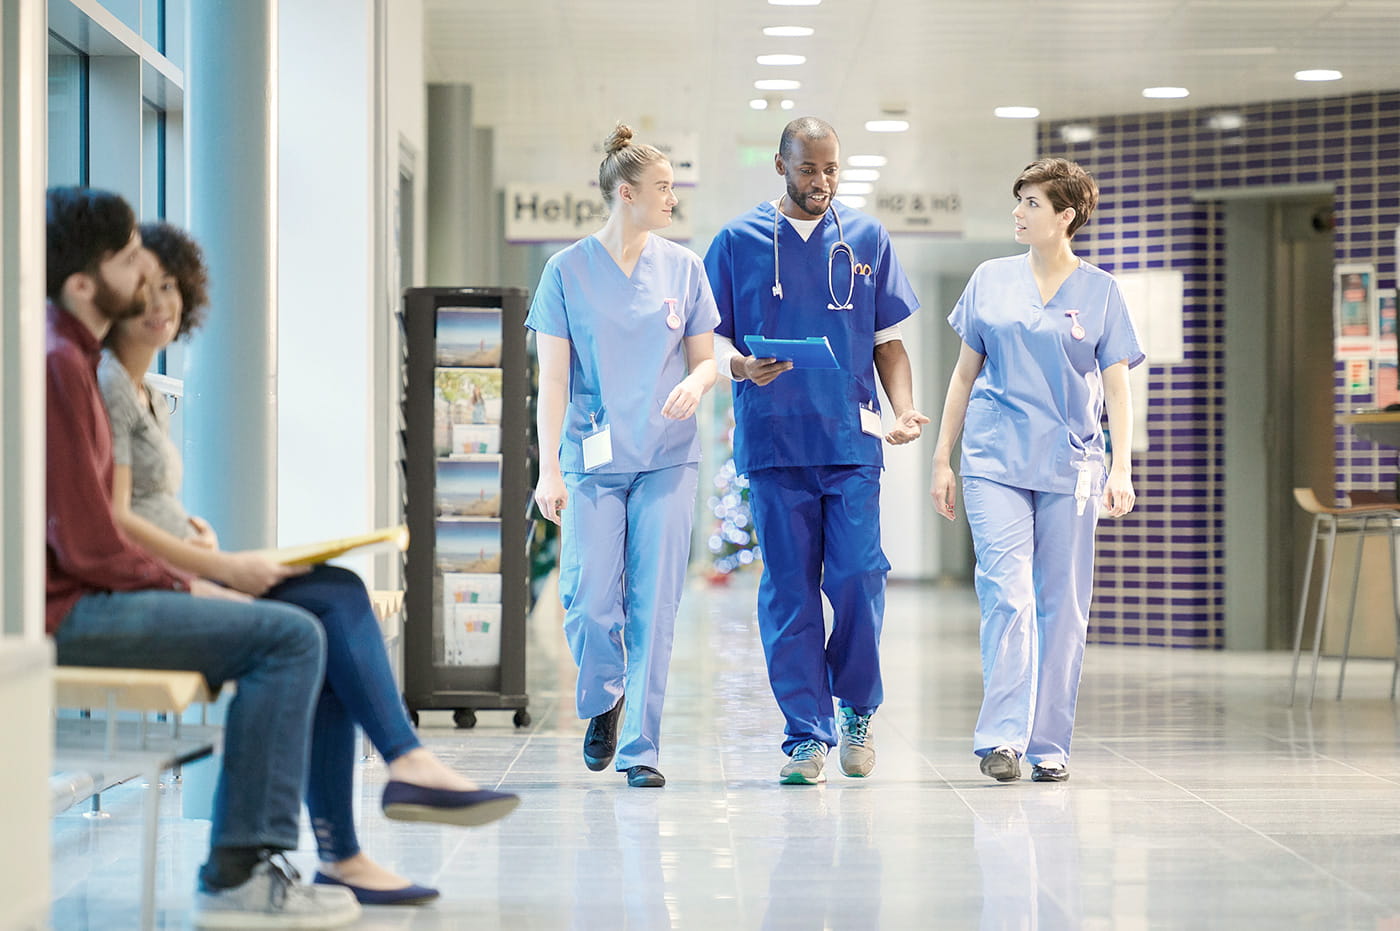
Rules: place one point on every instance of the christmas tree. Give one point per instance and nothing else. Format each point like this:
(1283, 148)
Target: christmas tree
(733, 543)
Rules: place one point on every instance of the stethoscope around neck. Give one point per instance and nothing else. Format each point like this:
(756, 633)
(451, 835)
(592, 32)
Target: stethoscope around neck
(838, 247)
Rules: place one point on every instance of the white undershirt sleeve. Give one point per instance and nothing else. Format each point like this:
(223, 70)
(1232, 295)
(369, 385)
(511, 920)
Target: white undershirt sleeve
(888, 335)
(725, 353)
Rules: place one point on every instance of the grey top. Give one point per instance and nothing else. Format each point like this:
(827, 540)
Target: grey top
(141, 441)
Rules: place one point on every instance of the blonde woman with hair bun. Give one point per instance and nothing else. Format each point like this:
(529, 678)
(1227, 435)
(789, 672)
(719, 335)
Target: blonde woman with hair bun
(623, 323)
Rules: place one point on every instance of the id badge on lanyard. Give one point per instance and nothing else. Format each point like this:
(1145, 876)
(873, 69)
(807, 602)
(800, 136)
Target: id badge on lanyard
(597, 446)
(870, 422)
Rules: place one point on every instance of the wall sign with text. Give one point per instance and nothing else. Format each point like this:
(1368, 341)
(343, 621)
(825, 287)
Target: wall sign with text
(920, 212)
(565, 213)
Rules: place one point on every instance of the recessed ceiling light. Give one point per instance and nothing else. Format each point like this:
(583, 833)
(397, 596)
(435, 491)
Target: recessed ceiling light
(1318, 74)
(854, 187)
(1076, 132)
(1225, 122)
(795, 2)
(886, 126)
(788, 32)
(866, 161)
(782, 59)
(860, 174)
(1165, 92)
(777, 84)
(758, 103)
(787, 103)
(851, 200)
(1016, 113)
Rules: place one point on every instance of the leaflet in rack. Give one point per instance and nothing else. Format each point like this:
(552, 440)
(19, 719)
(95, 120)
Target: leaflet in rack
(467, 400)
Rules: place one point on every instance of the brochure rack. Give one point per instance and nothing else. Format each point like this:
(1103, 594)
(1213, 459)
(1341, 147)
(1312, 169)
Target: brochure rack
(467, 474)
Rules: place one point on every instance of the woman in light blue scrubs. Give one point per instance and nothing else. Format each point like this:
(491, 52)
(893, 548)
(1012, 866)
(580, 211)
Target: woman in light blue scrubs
(1046, 340)
(623, 323)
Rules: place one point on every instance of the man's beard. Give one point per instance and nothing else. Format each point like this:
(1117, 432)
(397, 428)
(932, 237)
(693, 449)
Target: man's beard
(113, 306)
(802, 201)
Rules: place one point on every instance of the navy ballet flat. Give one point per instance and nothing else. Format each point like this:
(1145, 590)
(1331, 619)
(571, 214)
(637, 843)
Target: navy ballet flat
(404, 801)
(409, 895)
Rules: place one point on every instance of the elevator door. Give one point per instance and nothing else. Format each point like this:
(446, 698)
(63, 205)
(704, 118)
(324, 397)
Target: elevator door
(1278, 405)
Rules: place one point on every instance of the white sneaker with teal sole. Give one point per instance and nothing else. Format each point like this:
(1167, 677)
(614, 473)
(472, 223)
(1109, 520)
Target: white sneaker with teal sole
(804, 765)
(857, 748)
(273, 898)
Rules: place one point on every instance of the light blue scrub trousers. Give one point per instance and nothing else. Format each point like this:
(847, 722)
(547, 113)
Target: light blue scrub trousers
(622, 565)
(819, 530)
(1035, 568)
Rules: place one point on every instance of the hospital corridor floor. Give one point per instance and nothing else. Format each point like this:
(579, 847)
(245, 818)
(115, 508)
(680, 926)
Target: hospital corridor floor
(1197, 799)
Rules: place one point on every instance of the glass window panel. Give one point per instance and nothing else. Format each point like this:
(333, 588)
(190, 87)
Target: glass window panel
(67, 114)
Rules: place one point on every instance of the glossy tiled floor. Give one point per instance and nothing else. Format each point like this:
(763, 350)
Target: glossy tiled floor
(1198, 800)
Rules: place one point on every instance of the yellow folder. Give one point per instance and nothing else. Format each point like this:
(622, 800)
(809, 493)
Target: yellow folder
(308, 554)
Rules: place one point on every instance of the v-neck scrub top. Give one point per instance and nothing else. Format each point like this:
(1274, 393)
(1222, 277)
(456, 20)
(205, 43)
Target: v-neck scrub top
(807, 417)
(626, 358)
(1034, 415)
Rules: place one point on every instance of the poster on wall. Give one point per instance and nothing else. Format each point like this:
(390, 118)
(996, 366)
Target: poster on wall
(1358, 376)
(1354, 310)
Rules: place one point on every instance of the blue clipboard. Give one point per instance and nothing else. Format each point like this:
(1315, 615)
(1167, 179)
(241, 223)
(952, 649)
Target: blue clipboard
(814, 352)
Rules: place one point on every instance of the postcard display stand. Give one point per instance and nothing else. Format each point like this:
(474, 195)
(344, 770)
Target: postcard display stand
(467, 489)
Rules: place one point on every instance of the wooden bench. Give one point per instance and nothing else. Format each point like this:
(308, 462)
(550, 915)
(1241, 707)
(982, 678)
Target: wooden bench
(92, 755)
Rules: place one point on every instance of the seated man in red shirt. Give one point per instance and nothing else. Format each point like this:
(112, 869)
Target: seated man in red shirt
(110, 603)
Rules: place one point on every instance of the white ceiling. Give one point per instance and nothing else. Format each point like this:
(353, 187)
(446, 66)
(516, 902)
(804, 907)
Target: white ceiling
(547, 73)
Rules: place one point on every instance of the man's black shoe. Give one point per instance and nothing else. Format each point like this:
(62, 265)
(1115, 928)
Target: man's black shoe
(600, 742)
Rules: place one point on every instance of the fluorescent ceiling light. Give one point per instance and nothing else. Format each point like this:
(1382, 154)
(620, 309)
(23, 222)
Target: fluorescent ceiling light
(1016, 113)
(782, 59)
(758, 103)
(1318, 74)
(860, 174)
(1076, 132)
(777, 84)
(851, 200)
(866, 161)
(787, 103)
(886, 126)
(1165, 93)
(788, 32)
(854, 187)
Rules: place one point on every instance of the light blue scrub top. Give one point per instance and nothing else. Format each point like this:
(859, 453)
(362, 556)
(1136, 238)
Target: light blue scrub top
(807, 417)
(626, 359)
(1036, 407)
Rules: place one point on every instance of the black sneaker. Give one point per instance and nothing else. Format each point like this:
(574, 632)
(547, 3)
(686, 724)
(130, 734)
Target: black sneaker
(1002, 764)
(1049, 772)
(600, 743)
(645, 777)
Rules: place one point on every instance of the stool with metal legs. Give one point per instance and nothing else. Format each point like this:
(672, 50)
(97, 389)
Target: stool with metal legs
(1358, 521)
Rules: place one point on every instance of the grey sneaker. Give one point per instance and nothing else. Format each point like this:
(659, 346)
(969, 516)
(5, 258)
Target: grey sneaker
(857, 746)
(1002, 764)
(804, 765)
(273, 898)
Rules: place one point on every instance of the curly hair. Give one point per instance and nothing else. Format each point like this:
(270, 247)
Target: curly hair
(181, 258)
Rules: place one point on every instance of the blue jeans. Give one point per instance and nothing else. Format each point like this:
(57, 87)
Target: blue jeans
(275, 652)
(359, 688)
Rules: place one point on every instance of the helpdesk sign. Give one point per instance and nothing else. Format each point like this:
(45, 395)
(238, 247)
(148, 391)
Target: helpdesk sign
(565, 213)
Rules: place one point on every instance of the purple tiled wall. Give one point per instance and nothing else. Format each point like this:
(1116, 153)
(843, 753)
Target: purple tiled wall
(1158, 579)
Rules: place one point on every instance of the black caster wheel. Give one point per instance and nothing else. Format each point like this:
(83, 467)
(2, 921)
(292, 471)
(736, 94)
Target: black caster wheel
(522, 718)
(464, 718)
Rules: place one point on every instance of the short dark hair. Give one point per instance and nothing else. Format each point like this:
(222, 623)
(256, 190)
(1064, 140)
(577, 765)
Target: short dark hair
(806, 127)
(84, 226)
(1066, 184)
(181, 258)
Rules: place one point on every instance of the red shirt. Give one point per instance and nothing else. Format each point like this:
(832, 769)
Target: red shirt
(87, 553)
